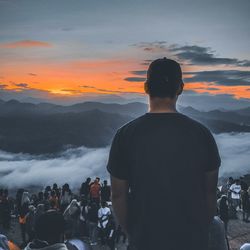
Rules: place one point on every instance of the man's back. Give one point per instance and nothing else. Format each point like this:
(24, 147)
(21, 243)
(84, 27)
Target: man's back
(164, 157)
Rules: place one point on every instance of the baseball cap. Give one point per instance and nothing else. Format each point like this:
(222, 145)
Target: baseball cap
(164, 71)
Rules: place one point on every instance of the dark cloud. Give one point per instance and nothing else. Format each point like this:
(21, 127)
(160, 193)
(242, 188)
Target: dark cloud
(146, 62)
(212, 88)
(87, 87)
(32, 74)
(107, 90)
(139, 72)
(204, 56)
(220, 77)
(245, 63)
(135, 79)
(152, 47)
(194, 54)
(22, 85)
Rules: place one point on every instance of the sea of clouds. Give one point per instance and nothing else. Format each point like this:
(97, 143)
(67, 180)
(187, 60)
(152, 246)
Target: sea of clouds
(72, 166)
(76, 164)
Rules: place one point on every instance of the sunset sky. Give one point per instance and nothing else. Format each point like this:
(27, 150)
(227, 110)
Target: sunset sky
(75, 48)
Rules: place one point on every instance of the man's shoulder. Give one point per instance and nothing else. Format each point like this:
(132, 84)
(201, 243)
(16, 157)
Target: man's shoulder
(197, 124)
(131, 124)
(186, 121)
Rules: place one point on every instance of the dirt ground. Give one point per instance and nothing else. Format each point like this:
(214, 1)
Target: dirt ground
(238, 234)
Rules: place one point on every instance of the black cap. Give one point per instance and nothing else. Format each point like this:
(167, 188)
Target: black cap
(164, 71)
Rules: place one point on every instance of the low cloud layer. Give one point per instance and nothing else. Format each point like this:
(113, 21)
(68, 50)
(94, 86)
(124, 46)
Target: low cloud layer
(75, 165)
(72, 166)
(235, 151)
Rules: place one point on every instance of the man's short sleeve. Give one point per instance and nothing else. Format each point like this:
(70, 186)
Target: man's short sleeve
(213, 156)
(116, 163)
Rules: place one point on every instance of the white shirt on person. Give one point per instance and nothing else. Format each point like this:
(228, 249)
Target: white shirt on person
(235, 191)
(103, 214)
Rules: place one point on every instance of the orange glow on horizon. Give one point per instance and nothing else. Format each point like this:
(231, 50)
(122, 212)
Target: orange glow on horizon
(75, 77)
(100, 76)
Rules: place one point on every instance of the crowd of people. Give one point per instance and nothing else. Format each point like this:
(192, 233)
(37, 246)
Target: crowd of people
(234, 197)
(87, 213)
(85, 218)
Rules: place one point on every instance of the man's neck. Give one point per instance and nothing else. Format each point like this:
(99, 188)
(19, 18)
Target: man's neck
(162, 105)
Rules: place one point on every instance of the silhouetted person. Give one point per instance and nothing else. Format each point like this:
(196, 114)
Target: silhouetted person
(30, 222)
(164, 145)
(49, 230)
(19, 195)
(56, 189)
(105, 192)
(243, 184)
(245, 199)
(39, 211)
(54, 202)
(119, 234)
(47, 189)
(92, 222)
(103, 219)
(5, 209)
(24, 209)
(82, 226)
(230, 181)
(223, 211)
(235, 190)
(46, 201)
(34, 200)
(66, 196)
(111, 233)
(95, 190)
(85, 187)
(71, 216)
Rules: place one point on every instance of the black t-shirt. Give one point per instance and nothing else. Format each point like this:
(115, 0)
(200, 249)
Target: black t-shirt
(164, 157)
(93, 214)
(105, 193)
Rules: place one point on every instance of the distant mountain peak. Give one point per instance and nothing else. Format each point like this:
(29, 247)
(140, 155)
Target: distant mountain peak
(12, 101)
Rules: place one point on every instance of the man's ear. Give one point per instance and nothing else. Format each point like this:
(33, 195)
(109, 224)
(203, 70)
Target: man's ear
(146, 87)
(179, 91)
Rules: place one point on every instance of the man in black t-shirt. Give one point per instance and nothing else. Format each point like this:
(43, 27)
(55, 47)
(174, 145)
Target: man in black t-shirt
(169, 147)
(105, 192)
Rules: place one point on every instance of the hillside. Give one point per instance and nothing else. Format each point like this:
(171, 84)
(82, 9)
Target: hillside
(40, 134)
(47, 128)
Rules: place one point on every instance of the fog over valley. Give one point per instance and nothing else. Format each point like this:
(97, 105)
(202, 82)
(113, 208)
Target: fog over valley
(74, 165)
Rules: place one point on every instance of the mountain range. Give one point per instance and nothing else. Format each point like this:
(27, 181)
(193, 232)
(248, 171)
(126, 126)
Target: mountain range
(47, 128)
